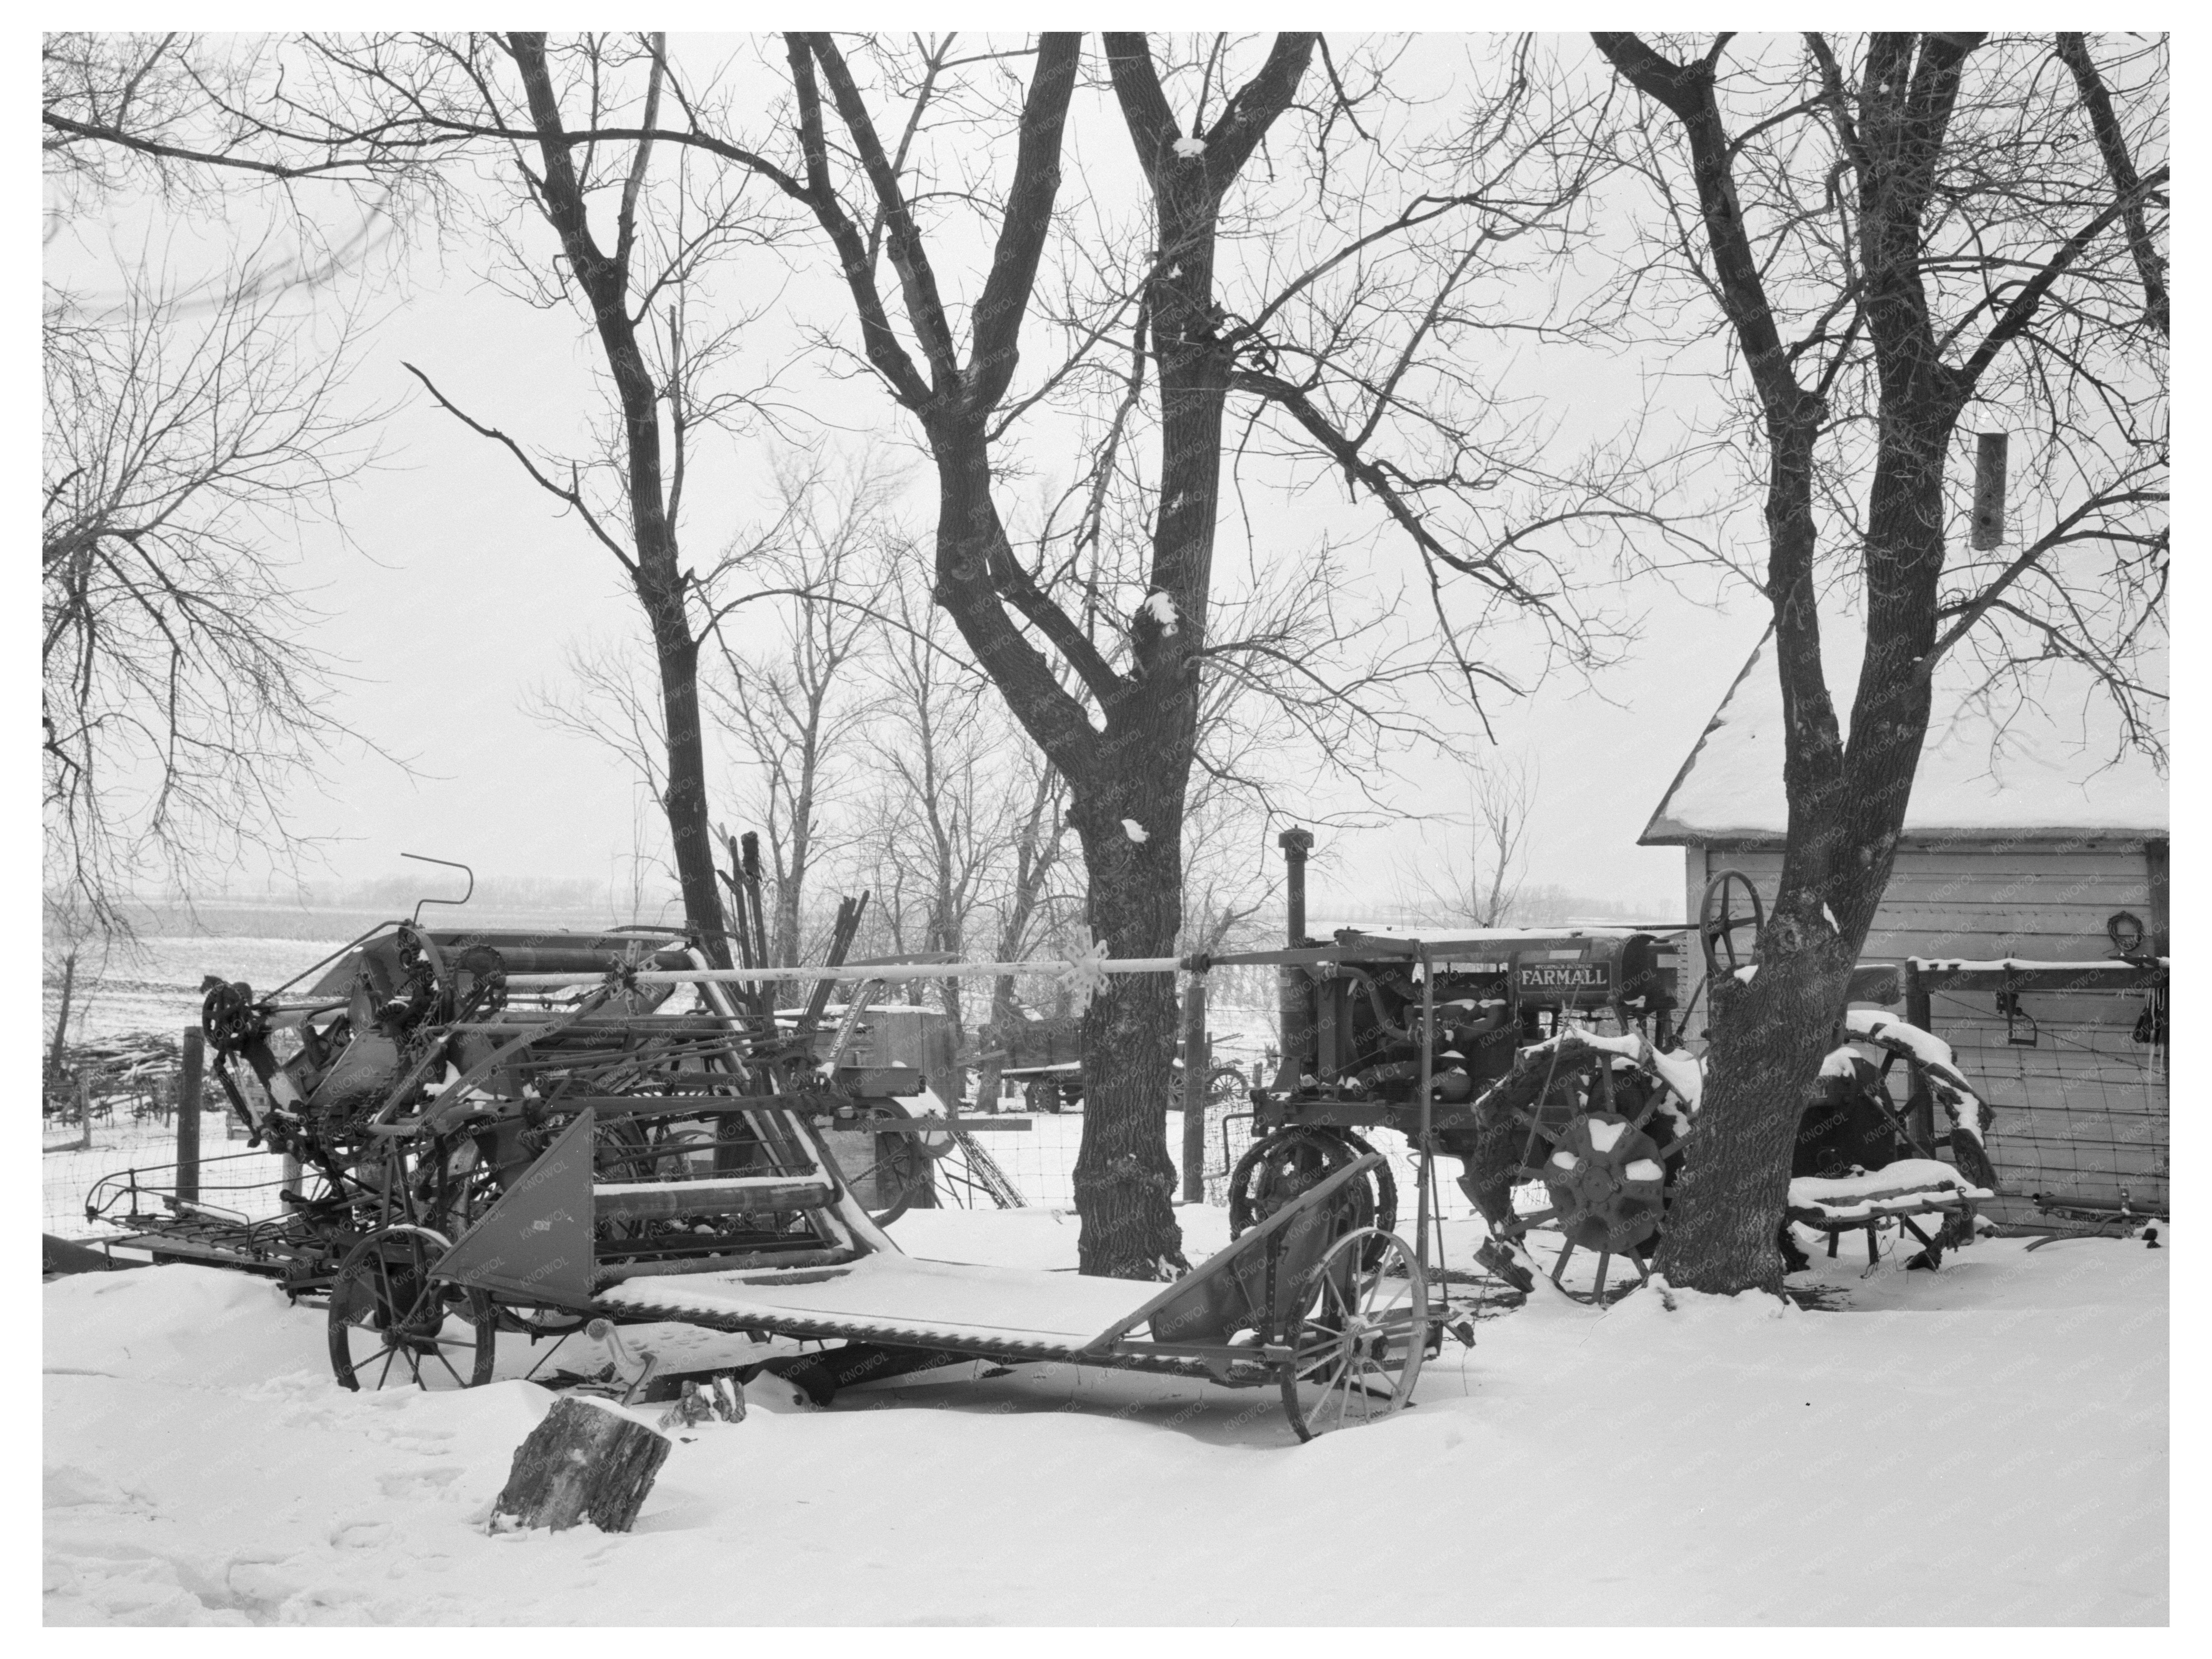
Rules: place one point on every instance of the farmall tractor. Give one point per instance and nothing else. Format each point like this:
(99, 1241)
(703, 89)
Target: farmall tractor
(1557, 1076)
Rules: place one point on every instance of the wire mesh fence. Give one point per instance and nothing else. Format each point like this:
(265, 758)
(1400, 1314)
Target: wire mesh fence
(2080, 1091)
(232, 1178)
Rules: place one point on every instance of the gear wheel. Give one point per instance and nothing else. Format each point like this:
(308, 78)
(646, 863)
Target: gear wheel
(230, 1020)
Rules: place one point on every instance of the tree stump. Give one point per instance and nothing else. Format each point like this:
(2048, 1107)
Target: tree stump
(584, 1461)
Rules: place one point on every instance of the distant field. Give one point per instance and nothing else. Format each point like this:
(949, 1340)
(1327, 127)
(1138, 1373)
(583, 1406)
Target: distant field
(153, 984)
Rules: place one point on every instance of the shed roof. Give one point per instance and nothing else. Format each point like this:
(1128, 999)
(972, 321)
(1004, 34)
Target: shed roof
(2049, 769)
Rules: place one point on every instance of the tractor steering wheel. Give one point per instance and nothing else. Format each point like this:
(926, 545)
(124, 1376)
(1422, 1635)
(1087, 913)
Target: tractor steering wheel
(1718, 922)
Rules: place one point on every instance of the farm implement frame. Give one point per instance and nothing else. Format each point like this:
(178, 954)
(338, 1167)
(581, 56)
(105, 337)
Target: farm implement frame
(488, 1135)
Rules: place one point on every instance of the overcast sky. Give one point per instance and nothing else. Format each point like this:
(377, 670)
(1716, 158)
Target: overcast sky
(463, 586)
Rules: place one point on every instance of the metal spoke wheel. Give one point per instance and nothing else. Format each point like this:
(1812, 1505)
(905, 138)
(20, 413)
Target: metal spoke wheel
(1359, 1334)
(393, 1324)
(1606, 1147)
(900, 1167)
(1280, 1166)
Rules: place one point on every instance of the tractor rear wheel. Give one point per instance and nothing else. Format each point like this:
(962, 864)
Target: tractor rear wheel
(1280, 1166)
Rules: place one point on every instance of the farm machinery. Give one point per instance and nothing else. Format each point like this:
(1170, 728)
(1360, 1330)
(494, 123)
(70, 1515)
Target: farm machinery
(491, 1133)
(414, 1080)
(1550, 1063)
(487, 1133)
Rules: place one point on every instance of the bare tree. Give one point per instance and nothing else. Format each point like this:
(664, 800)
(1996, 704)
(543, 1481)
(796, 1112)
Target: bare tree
(659, 347)
(1029, 884)
(1501, 799)
(950, 769)
(195, 428)
(798, 707)
(1892, 231)
(188, 443)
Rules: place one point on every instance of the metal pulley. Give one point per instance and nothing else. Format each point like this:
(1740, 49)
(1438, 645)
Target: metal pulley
(230, 1020)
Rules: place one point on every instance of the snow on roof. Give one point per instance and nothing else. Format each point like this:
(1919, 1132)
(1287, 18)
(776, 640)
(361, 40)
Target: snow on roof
(2055, 767)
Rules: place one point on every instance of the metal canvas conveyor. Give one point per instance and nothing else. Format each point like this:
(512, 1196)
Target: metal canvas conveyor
(1339, 1318)
(902, 1300)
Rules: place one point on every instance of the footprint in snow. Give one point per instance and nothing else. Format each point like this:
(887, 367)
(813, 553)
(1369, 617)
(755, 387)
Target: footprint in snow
(417, 1483)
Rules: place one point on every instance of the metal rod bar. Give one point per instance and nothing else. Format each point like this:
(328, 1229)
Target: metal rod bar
(1195, 1064)
(1422, 1151)
(848, 971)
(854, 970)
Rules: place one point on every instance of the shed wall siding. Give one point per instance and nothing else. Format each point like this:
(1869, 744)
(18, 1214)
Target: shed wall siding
(1989, 901)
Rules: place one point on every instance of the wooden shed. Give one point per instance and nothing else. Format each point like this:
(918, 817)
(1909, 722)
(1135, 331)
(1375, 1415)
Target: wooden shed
(2034, 838)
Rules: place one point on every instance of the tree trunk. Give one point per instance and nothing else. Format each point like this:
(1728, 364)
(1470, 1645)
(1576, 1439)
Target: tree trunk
(655, 572)
(1768, 1038)
(685, 803)
(54, 1055)
(1124, 1179)
(1847, 806)
(582, 1462)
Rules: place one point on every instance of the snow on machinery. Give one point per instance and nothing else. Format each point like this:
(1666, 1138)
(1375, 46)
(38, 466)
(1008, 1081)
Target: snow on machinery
(1490, 1046)
(504, 1133)
(407, 1085)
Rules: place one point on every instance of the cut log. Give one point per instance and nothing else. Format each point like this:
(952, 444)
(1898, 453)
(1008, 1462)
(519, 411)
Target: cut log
(585, 1461)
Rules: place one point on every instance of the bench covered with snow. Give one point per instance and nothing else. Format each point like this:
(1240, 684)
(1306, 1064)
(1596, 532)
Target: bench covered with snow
(1911, 1186)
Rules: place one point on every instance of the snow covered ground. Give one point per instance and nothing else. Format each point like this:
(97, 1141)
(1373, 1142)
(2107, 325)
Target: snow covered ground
(1985, 1445)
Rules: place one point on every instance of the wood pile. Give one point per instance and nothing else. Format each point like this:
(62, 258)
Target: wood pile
(135, 1064)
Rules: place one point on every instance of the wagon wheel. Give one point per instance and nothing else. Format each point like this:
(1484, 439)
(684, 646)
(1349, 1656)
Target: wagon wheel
(622, 1150)
(1967, 1151)
(902, 1169)
(1279, 1167)
(1358, 1338)
(1222, 1084)
(392, 1323)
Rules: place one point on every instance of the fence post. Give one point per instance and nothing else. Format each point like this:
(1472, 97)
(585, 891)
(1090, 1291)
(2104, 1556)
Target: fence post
(1195, 1066)
(84, 1115)
(188, 1117)
(1918, 1011)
